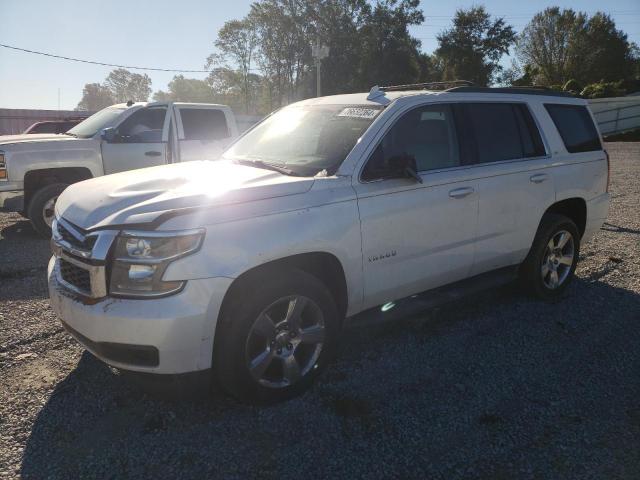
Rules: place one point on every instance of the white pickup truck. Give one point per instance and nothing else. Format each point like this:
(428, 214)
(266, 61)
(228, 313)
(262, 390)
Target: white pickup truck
(35, 169)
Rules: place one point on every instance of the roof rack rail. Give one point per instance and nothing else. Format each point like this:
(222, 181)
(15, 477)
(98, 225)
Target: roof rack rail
(528, 90)
(427, 86)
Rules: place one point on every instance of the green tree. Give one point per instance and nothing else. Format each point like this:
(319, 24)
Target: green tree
(563, 44)
(285, 37)
(182, 89)
(388, 54)
(237, 42)
(124, 85)
(95, 97)
(473, 47)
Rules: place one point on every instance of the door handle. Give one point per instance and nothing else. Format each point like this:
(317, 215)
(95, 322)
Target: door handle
(538, 178)
(461, 192)
(153, 153)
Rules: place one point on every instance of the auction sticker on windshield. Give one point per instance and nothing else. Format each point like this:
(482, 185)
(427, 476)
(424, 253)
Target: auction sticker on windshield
(359, 112)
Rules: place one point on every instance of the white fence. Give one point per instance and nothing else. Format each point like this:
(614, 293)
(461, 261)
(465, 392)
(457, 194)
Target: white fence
(616, 114)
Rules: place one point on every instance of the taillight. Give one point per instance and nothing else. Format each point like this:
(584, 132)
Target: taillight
(608, 169)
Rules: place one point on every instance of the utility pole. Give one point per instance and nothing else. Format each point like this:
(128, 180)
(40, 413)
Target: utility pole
(319, 52)
(58, 99)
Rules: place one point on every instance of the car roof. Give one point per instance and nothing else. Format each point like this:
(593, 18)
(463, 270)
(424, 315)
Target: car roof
(378, 96)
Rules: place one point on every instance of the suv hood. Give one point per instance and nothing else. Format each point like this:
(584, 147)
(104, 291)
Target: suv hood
(33, 137)
(141, 196)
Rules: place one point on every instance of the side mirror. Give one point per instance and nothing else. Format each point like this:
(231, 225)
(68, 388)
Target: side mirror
(108, 134)
(403, 166)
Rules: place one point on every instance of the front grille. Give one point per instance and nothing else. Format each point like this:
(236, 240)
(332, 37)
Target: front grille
(85, 244)
(75, 276)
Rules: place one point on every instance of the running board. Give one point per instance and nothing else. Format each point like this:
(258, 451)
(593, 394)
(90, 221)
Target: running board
(421, 302)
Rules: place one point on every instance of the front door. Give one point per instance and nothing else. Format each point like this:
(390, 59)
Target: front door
(417, 236)
(140, 141)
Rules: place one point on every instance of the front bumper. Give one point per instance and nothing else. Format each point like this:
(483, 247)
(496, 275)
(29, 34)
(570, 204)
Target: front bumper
(12, 200)
(180, 328)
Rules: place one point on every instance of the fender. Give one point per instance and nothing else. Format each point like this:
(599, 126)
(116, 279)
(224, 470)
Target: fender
(233, 248)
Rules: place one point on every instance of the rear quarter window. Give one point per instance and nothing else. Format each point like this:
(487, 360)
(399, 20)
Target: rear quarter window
(575, 126)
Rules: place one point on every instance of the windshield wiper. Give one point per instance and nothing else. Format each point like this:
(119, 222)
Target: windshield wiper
(70, 134)
(268, 166)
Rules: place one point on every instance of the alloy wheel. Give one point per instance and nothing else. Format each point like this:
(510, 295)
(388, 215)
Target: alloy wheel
(558, 259)
(285, 341)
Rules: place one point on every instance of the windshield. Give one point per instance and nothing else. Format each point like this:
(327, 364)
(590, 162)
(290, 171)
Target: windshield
(96, 122)
(306, 139)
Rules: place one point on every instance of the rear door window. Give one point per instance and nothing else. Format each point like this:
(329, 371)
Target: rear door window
(575, 126)
(501, 131)
(204, 124)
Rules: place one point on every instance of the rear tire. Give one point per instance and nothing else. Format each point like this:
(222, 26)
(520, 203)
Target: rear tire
(41, 207)
(550, 265)
(277, 336)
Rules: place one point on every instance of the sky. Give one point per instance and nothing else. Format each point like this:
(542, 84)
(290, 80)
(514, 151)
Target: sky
(179, 35)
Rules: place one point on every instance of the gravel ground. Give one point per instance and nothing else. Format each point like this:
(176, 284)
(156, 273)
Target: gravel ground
(498, 386)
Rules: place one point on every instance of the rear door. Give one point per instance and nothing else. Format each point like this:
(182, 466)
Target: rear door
(204, 132)
(515, 182)
(140, 141)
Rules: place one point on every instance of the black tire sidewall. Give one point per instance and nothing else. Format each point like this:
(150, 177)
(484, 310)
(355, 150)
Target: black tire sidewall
(229, 353)
(550, 225)
(37, 204)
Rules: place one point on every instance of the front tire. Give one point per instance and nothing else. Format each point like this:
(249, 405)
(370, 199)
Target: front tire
(278, 335)
(550, 265)
(41, 207)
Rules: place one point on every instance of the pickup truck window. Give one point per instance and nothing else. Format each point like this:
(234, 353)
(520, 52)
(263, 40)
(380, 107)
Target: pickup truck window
(143, 126)
(96, 122)
(306, 139)
(575, 126)
(426, 133)
(204, 124)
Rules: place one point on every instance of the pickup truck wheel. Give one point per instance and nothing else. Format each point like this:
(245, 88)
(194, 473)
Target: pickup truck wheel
(41, 207)
(274, 343)
(552, 260)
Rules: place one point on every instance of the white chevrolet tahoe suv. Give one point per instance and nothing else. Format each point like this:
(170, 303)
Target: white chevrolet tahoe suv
(246, 267)
(35, 169)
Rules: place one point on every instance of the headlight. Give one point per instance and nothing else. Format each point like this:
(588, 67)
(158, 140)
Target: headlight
(3, 167)
(141, 259)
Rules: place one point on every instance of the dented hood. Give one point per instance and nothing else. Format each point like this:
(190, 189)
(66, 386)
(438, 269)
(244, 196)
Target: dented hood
(141, 196)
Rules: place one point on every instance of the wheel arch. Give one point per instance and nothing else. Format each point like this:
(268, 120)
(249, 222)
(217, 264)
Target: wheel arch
(574, 208)
(36, 179)
(323, 265)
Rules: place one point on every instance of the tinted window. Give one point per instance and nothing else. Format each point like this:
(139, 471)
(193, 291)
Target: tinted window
(143, 126)
(532, 145)
(427, 133)
(496, 131)
(203, 124)
(576, 128)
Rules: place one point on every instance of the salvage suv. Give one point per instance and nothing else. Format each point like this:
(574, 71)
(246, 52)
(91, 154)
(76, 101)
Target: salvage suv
(245, 268)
